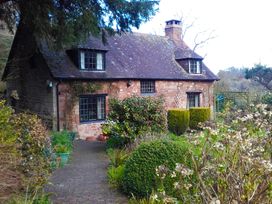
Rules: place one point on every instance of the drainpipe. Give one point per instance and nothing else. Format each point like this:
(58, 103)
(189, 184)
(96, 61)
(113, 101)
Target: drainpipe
(57, 97)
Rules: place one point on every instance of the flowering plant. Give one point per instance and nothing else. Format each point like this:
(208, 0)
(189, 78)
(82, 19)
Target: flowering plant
(230, 160)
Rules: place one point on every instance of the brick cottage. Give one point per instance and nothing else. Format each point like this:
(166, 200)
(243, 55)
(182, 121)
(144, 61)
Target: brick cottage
(128, 64)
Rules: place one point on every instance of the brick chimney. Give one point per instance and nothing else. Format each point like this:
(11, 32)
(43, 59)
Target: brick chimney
(173, 30)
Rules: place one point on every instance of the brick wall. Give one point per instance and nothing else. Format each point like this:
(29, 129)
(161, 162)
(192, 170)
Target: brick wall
(174, 93)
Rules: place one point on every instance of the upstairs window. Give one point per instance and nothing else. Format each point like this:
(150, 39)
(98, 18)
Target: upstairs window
(193, 100)
(92, 60)
(194, 66)
(147, 87)
(92, 108)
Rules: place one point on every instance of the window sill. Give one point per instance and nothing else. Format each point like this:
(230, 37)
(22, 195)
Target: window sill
(91, 70)
(92, 122)
(148, 94)
(196, 73)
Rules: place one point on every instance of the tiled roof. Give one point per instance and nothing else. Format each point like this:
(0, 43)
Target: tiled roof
(130, 56)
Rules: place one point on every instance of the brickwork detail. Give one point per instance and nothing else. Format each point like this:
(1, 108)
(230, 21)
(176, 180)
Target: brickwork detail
(173, 92)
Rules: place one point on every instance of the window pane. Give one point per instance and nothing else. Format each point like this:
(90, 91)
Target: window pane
(147, 86)
(198, 67)
(100, 108)
(194, 66)
(91, 108)
(82, 60)
(193, 99)
(99, 61)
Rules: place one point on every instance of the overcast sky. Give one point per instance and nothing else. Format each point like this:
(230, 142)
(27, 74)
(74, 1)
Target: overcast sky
(243, 29)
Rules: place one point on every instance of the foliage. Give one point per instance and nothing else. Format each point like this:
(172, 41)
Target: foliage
(7, 133)
(134, 116)
(262, 74)
(117, 156)
(115, 141)
(37, 197)
(32, 142)
(60, 148)
(61, 21)
(267, 98)
(115, 175)
(78, 88)
(61, 139)
(152, 199)
(139, 173)
(198, 115)
(24, 163)
(5, 44)
(231, 161)
(178, 120)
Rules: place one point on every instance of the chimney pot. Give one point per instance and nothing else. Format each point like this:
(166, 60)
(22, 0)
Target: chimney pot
(173, 30)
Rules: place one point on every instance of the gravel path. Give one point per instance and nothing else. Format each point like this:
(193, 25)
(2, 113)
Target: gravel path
(83, 179)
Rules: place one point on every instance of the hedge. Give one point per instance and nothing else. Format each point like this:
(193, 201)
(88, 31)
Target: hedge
(199, 114)
(178, 120)
(140, 169)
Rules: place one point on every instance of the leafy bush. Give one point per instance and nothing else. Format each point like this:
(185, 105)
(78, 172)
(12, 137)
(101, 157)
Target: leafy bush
(115, 175)
(199, 114)
(231, 161)
(117, 156)
(139, 173)
(178, 120)
(267, 98)
(62, 138)
(134, 116)
(24, 163)
(115, 141)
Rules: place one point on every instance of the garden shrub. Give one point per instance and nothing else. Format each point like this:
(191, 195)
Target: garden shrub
(178, 120)
(231, 161)
(62, 138)
(199, 114)
(140, 174)
(115, 175)
(115, 141)
(117, 156)
(24, 164)
(134, 116)
(267, 98)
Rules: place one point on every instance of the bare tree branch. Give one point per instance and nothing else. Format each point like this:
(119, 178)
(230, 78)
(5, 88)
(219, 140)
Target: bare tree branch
(201, 42)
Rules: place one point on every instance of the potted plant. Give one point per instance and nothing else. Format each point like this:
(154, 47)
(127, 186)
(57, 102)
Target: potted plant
(63, 153)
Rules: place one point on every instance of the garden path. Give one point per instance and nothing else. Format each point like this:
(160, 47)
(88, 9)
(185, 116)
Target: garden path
(84, 178)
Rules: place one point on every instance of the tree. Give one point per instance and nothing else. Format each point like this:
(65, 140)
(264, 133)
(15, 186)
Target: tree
(66, 22)
(261, 74)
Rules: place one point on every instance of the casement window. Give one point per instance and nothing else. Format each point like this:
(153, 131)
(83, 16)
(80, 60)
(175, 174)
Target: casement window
(194, 66)
(193, 100)
(92, 60)
(92, 108)
(147, 87)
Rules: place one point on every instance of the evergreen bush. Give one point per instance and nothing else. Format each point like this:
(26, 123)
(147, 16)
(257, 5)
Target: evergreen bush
(178, 120)
(140, 169)
(134, 116)
(199, 114)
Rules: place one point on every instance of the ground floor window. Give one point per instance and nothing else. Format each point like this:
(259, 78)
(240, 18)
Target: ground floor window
(147, 87)
(193, 99)
(92, 108)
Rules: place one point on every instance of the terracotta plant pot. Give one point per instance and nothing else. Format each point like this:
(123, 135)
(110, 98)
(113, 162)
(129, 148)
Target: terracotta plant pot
(102, 138)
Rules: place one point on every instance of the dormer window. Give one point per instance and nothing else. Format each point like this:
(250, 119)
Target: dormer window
(92, 60)
(194, 66)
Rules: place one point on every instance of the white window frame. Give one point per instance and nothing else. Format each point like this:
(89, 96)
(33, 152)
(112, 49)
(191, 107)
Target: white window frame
(194, 66)
(84, 57)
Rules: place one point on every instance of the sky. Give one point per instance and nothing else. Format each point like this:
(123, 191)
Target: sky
(242, 29)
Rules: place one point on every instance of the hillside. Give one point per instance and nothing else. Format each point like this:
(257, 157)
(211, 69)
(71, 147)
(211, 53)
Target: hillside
(5, 44)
